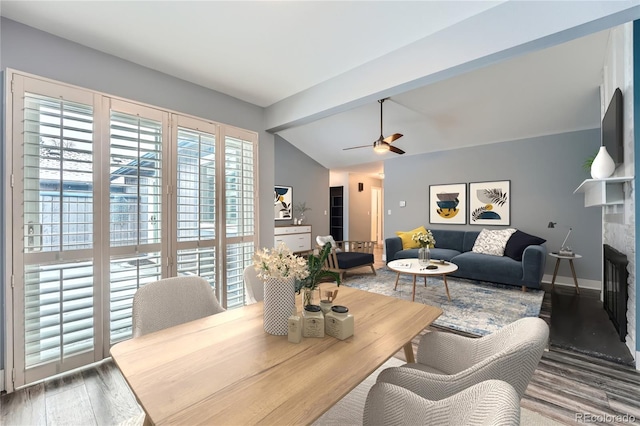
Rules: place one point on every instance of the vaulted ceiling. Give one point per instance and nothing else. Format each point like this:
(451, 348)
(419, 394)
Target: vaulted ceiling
(458, 73)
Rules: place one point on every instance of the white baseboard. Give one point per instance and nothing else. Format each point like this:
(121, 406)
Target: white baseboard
(568, 281)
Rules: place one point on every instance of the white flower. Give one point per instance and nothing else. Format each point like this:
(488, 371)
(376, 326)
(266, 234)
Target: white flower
(280, 262)
(424, 239)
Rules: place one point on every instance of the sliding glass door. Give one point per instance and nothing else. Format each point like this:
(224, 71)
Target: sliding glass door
(108, 196)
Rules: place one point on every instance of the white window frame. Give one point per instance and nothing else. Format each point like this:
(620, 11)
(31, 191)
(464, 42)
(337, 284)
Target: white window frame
(14, 278)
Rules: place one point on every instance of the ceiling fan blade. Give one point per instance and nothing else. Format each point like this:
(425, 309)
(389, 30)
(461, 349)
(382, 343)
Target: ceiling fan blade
(396, 150)
(392, 138)
(356, 147)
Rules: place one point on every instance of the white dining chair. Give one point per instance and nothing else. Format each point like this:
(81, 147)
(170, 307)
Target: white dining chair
(254, 287)
(447, 363)
(172, 301)
(492, 402)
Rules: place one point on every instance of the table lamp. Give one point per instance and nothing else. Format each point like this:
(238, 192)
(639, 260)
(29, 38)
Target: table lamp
(564, 249)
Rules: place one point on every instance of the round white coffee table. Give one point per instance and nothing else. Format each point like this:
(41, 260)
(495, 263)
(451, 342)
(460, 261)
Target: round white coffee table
(411, 266)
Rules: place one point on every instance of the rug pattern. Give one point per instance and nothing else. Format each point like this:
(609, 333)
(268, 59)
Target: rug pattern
(476, 307)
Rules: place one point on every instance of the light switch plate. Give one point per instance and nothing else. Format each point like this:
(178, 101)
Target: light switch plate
(403, 203)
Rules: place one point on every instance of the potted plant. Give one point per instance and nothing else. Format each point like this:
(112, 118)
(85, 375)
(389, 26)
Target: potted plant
(586, 166)
(299, 209)
(317, 274)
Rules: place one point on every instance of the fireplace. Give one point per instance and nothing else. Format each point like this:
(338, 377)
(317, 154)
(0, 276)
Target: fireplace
(615, 288)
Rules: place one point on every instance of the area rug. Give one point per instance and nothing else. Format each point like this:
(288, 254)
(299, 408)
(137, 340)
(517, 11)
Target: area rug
(476, 307)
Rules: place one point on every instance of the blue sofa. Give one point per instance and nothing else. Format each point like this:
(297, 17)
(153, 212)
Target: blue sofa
(456, 246)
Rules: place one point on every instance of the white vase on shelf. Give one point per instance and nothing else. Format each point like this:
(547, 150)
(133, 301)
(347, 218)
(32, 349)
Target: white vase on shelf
(603, 165)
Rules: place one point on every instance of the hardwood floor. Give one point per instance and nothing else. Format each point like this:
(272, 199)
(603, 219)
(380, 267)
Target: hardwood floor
(565, 385)
(94, 396)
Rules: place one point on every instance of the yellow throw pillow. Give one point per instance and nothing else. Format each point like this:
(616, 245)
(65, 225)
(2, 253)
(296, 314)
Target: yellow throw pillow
(405, 236)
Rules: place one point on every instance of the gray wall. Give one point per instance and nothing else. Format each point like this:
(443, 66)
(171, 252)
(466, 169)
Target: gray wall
(544, 172)
(26, 49)
(310, 182)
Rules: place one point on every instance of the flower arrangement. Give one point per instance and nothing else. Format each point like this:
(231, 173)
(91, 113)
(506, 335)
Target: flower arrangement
(425, 240)
(280, 262)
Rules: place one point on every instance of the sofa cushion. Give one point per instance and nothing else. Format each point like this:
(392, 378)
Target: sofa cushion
(353, 259)
(443, 254)
(436, 253)
(469, 240)
(520, 241)
(476, 266)
(406, 237)
(492, 241)
(448, 239)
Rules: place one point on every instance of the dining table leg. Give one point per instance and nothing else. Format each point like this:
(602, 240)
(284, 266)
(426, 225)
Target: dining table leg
(147, 421)
(408, 353)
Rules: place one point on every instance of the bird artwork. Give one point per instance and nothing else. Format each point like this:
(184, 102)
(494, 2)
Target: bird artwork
(282, 202)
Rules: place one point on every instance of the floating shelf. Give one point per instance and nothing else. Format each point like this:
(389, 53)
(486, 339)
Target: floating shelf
(603, 192)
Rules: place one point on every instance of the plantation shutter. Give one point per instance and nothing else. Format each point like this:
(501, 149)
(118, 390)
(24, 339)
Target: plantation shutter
(240, 211)
(57, 237)
(196, 199)
(136, 209)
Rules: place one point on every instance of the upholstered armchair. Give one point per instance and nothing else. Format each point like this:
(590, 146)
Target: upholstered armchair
(491, 402)
(346, 255)
(447, 363)
(172, 301)
(253, 286)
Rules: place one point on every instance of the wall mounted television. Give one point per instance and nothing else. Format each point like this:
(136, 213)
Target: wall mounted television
(612, 123)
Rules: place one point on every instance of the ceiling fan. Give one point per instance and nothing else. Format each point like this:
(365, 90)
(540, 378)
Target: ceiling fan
(382, 144)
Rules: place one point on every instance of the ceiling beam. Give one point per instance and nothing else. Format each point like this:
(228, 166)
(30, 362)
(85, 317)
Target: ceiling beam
(510, 29)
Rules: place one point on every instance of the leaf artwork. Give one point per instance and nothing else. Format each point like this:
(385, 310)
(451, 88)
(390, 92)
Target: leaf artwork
(496, 195)
(475, 215)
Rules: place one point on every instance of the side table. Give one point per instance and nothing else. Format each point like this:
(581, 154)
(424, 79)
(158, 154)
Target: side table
(573, 270)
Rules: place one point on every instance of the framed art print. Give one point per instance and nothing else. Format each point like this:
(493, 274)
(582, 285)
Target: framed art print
(448, 203)
(490, 203)
(283, 202)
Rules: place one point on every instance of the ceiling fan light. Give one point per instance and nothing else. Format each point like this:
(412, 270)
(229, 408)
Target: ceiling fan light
(380, 147)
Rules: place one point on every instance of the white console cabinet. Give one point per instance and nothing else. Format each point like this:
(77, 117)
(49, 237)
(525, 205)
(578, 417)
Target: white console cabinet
(296, 237)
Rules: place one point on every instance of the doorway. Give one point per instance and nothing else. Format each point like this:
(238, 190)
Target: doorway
(376, 214)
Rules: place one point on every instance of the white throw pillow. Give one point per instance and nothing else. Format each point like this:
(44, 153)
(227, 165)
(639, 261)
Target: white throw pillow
(322, 240)
(492, 242)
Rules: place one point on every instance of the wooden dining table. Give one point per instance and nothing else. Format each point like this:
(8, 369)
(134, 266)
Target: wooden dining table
(225, 369)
